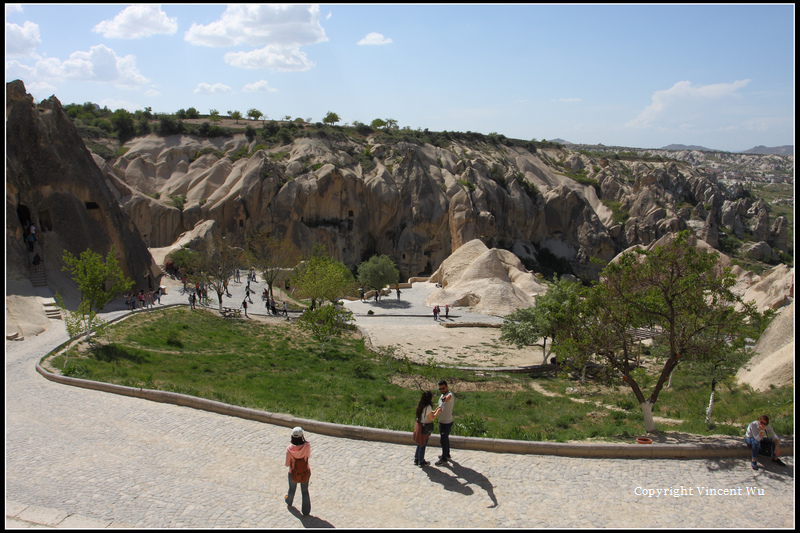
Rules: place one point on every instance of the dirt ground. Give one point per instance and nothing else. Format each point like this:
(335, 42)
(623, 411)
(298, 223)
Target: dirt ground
(458, 346)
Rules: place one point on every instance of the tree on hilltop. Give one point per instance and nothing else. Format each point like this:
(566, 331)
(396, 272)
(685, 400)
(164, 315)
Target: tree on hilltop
(331, 118)
(255, 114)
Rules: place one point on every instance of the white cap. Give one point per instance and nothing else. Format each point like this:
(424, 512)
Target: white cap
(297, 432)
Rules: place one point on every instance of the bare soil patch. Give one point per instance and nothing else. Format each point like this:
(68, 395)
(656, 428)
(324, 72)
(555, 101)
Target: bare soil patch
(421, 383)
(464, 347)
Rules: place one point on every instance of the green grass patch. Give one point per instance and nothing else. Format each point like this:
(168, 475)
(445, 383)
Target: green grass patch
(279, 368)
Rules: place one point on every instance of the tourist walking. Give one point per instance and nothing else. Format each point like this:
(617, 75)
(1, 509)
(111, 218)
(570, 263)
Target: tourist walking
(446, 401)
(297, 456)
(244, 306)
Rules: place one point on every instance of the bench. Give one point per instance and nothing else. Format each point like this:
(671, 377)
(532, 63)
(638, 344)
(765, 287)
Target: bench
(230, 312)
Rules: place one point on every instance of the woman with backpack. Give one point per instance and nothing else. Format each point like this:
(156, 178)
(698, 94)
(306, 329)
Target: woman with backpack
(297, 455)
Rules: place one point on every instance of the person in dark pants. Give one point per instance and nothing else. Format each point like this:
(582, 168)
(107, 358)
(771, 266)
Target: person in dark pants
(297, 455)
(446, 401)
(425, 416)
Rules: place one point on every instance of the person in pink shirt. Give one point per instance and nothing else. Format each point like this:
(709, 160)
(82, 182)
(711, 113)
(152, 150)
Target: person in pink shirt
(297, 455)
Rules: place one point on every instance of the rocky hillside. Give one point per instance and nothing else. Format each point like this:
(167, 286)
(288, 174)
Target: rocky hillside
(419, 196)
(755, 164)
(53, 183)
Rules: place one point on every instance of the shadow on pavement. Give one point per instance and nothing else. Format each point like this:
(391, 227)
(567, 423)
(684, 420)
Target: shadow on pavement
(387, 304)
(310, 522)
(766, 468)
(469, 477)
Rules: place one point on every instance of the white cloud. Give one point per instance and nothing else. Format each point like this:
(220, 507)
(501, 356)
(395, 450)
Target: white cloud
(260, 86)
(22, 40)
(217, 88)
(137, 21)
(684, 104)
(13, 8)
(279, 31)
(285, 58)
(373, 38)
(99, 64)
(260, 25)
(567, 100)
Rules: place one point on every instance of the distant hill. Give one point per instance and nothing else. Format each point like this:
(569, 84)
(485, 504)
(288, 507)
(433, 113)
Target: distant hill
(676, 147)
(776, 150)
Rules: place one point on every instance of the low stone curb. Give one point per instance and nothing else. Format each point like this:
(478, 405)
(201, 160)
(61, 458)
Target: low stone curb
(593, 450)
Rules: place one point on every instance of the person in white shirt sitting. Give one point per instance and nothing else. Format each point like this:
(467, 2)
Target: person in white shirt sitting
(756, 437)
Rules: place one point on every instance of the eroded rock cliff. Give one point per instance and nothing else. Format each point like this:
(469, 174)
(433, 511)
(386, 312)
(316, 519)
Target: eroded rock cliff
(418, 199)
(53, 182)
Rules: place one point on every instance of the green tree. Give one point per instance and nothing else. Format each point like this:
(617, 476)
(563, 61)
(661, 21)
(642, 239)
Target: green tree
(123, 124)
(188, 261)
(272, 256)
(255, 114)
(377, 272)
(214, 115)
(192, 113)
(678, 291)
(217, 260)
(331, 118)
(142, 126)
(378, 123)
(326, 322)
(235, 115)
(99, 281)
(321, 278)
(532, 326)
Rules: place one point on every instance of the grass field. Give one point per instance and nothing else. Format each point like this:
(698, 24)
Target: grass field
(277, 367)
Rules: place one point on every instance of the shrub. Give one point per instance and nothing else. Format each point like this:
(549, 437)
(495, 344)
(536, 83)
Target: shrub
(530, 189)
(470, 426)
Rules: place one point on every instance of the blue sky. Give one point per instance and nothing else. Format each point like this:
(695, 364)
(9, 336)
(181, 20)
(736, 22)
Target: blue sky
(720, 76)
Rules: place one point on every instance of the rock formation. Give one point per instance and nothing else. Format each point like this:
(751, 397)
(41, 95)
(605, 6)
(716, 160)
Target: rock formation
(489, 281)
(53, 182)
(419, 197)
(773, 364)
(418, 202)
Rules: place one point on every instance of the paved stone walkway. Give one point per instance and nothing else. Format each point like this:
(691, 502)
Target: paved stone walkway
(82, 458)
